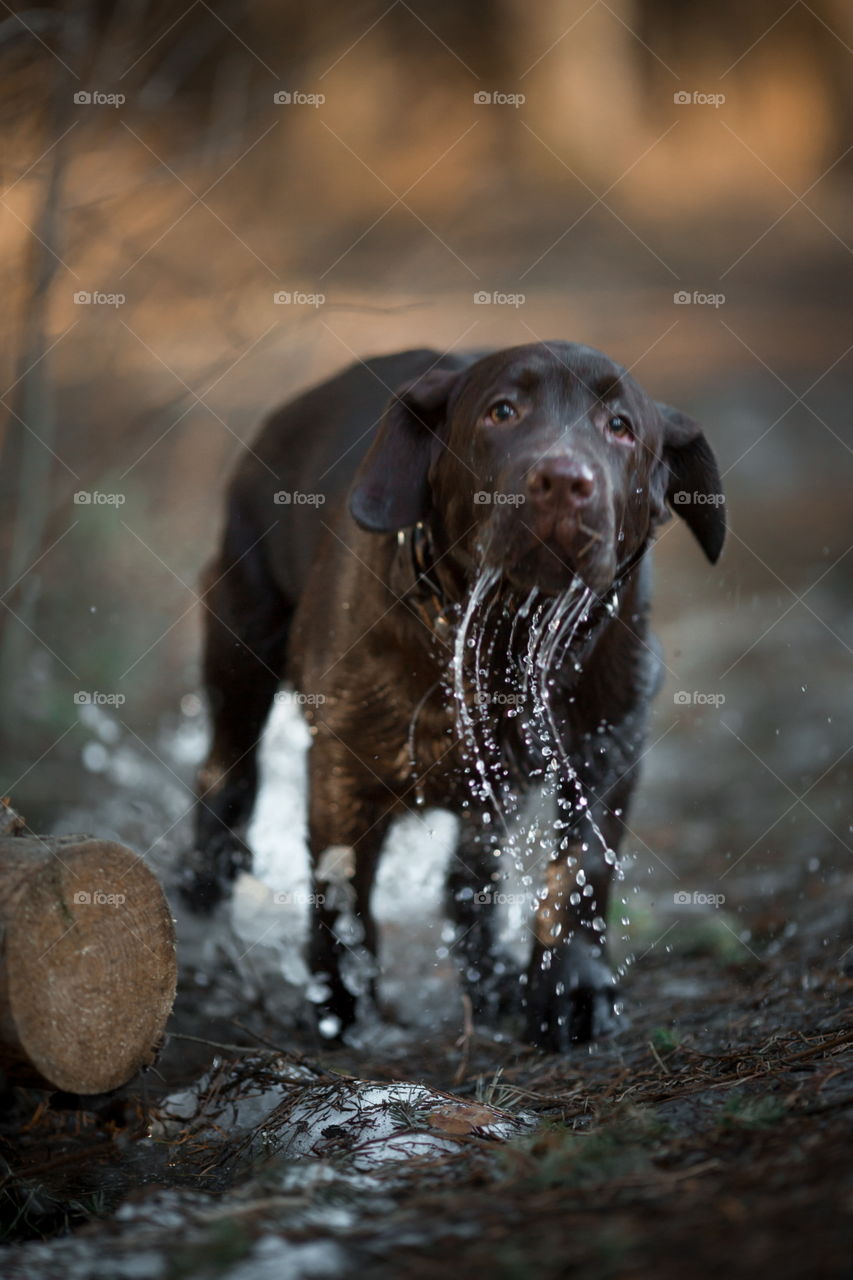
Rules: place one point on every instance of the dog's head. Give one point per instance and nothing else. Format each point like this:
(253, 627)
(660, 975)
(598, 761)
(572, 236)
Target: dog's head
(547, 461)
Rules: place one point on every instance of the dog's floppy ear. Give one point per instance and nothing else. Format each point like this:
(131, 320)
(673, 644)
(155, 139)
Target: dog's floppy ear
(693, 486)
(391, 488)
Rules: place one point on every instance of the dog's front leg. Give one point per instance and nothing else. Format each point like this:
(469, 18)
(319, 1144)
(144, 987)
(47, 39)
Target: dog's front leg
(489, 976)
(347, 824)
(571, 988)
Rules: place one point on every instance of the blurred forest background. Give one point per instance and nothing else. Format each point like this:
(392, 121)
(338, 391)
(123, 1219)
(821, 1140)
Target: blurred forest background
(629, 151)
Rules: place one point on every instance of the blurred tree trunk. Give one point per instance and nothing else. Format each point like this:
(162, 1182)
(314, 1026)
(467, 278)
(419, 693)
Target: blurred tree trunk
(34, 411)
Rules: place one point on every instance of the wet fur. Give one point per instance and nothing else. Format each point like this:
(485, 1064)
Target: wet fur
(315, 596)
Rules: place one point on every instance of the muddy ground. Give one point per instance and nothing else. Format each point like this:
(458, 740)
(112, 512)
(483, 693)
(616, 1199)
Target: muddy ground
(711, 1136)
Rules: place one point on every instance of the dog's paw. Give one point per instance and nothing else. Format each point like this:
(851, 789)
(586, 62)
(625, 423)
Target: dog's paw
(576, 1018)
(497, 993)
(335, 1012)
(205, 875)
(571, 998)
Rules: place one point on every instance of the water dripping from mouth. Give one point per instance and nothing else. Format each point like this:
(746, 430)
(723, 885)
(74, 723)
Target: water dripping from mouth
(553, 624)
(465, 639)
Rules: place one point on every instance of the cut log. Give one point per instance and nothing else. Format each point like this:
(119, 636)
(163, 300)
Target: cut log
(87, 962)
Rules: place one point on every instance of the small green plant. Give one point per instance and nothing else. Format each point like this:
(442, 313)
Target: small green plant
(665, 1040)
(225, 1244)
(753, 1113)
(556, 1156)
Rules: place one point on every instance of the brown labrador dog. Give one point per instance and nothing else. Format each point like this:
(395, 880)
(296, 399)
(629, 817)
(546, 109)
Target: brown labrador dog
(446, 556)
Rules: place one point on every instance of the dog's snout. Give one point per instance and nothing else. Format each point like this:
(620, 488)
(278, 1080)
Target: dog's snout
(560, 483)
(565, 513)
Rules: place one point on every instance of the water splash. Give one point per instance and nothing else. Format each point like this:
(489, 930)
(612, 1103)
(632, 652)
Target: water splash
(484, 790)
(555, 633)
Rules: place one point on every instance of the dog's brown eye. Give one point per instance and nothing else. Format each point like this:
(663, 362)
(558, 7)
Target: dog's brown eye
(620, 427)
(502, 411)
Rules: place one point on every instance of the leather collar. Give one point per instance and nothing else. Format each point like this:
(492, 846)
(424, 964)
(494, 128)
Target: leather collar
(426, 595)
(428, 598)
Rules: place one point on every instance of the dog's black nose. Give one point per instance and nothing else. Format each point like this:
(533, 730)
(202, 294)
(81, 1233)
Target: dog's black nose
(560, 483)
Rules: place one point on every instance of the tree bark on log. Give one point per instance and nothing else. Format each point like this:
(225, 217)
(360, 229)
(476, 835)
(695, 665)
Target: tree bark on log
(87, 962)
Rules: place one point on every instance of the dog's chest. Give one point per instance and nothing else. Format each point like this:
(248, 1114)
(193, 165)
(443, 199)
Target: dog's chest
(484, 736)
(441, 731)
